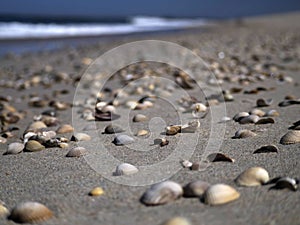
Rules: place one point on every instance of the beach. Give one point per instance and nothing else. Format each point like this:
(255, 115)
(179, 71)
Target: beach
(255, 58)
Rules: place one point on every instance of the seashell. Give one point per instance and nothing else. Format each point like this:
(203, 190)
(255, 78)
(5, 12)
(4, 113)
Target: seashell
(113, 129)
(76, 152)
(3, 210)
(49, 121)
(36, 125)
(296, 125)
(228, 97)
(142, 133)
(195, 166)
(244, 133)
(177, 221)
(30, 212)
(266, 120)
(14, 148)
(34, 146)
(239, 116)
(266, 149)
(290, 97)
(286, 182)
(65, 128)
(3, 140)
(195, 188)
(219, 157)
(162, 193)
(291, 137)
(49, 112)
(199, 107)
(172, 130)
(139, 118)
(59, 105)
(257, 112)
(106, 116)
(263, 102)
(253, 176)
(81, 137)
(249, 119)
(219, 194)
(37, 102)
(131, 104)
(225, 119)
(212, 102)
(186, 163)
(123, 139)
(235, 90)
(163, 142)
(191, 127)
(108, 108)
(289, 102)
(96, 191)
(272, 112)
(125, 169)
(63, 145)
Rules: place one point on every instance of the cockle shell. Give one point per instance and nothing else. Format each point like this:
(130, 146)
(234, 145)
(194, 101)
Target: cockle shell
(162, 193)
(76, 152)
(244, 133)
(291, 137)
(195, 188)
(125, 169)
(66, 128)
(123, 139)
(14, 148)
(34, 146)
(177, 221)
(257, 112)
(249, 119)
(30, 212)
(253, 176)
(219, 194)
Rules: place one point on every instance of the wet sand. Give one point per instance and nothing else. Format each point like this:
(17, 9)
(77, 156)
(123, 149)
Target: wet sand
(63, 184)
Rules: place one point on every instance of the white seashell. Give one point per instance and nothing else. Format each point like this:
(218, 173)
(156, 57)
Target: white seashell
(244, 133)
(131, 104)
(123, 139)
(3, 210)
(76, 152)
(125, 169)
(257, 112)
(249, 119)
(30, 212)
(14, 148)
(191, 127)
(253, 176)
(199, 107)
(162, 193)
(195, 188)
(109, 108)
(239, 116)
(186, 163)
(291, 137)
(219, 194)
(142, 133)
(177, 221)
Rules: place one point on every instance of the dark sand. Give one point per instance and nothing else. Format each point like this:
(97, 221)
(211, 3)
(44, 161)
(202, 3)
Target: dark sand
(63, 183)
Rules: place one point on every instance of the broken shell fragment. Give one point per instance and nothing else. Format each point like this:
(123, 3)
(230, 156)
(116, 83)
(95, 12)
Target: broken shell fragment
(263, 102)
(123, 139)
(219, 194)
(286, 182)
(266, 120)
(219, 157)
(14, 148)
(291, 137)
(76, 152)
(34, 146)
(162, 193)
(30, 212)
(244, 133)
(177, 221)
(97, 191)
(164, 142)
(195, 188)
(113, 129)
(266, 149)
(139, 118)
(66, 128)
(125, 169)
(254, 176)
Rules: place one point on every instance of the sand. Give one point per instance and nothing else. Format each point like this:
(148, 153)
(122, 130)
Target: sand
(63, 183)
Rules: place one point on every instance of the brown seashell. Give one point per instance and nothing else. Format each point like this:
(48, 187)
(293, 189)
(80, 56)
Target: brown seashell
(177, 221)
(34, 146)
(139, 118)
(219, 194)
(97, 191)
(266, 149)
(36, 125)
(195, 188)
(162, 193)
(266, 120)
(172, 130)
(195, 166)
(263, 102)
(257, 112)
(76, 152)
(14, 148)
(219, 157)
(37, 102)
(164, 142)
(65, 128)
(244, 134)
(291, 137)
(30, 212)
(253, 176)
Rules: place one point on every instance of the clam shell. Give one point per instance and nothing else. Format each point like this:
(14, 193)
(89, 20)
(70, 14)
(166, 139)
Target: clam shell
(286, 182)
(195, 188)
(66, 128)
(249, 119)
(14, 148)
(266, 149)
(266, 120)
(162, 193)
(76, 152)
(81, 137)
(3, 210)
(263, 102)
(125, 169)
(219, 194)
(272, 112)
(36, 125)
(123, 139)
(237, 117)
(113, 129)
(291, 137)
(257, 112)
(163, 142)
(97, 191)
(34, 146)
(177, 221)
(49, 121)
(253, 176)
(191, 127)
(142, 133)
(30, 212)
(139, 118)
(172, 130)
(199, 107)
(219, 157)
(244, 134)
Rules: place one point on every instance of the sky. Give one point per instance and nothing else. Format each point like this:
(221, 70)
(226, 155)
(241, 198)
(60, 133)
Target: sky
(177, 8)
